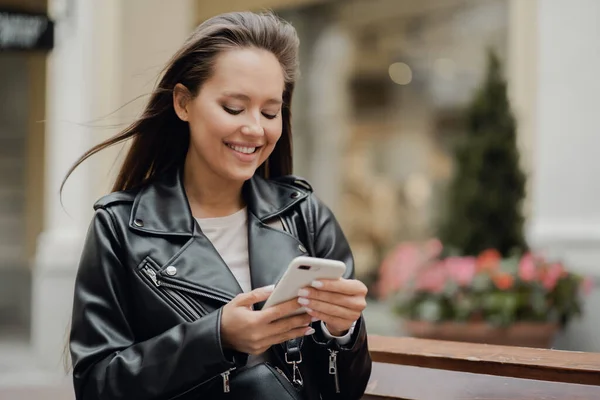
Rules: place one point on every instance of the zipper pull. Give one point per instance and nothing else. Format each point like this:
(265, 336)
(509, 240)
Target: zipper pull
(333, 368)
(150, 272)
(332, 362)
(225, 376)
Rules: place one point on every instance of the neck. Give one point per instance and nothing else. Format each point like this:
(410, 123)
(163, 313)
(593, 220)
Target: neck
(210, 196)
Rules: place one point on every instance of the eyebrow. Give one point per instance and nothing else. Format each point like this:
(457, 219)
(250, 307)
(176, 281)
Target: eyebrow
(243, 97)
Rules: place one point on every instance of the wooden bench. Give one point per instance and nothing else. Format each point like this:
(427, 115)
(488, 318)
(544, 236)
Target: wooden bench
(420, 369)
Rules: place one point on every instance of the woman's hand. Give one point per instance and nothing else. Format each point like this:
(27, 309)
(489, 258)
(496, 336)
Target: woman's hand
(338, 303)
(253, 332)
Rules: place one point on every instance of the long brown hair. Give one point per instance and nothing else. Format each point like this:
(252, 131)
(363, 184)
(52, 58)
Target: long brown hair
(160, 140)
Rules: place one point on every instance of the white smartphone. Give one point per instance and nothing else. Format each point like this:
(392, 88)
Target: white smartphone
(300, 273)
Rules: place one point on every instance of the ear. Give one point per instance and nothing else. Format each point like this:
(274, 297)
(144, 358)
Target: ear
(181, 100)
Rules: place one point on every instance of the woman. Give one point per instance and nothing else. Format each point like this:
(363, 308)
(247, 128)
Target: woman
(203, 218)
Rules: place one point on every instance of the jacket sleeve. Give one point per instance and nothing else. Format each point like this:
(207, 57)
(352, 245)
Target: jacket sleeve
(353, 359)
(108, 362)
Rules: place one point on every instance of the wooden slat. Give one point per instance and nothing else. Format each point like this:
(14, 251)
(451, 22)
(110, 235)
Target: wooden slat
(518, 362)
(415, 383)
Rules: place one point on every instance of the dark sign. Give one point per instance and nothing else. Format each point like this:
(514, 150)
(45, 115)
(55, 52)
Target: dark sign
(25, 31)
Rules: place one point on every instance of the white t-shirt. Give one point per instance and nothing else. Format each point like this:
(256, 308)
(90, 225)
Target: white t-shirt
(229, 235)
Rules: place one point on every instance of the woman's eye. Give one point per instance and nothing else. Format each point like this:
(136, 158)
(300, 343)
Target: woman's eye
(232, 111)
(269, 116)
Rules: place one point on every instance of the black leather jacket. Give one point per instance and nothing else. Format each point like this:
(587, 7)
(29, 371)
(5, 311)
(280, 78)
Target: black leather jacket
(150, 289)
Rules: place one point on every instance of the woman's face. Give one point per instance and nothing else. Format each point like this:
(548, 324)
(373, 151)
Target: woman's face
(235, 120)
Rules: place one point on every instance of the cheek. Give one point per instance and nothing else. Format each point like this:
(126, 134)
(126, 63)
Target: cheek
(273, 137)
(211, 125)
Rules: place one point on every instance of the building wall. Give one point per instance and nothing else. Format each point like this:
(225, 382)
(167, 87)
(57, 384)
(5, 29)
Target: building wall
(34, 169)
(14, 115)
(565, 198)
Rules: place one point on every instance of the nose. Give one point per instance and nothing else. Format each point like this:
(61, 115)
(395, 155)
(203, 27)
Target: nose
(253, 129)
(253, 126)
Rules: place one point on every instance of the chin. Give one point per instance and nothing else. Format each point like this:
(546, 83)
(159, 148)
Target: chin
(241, 175)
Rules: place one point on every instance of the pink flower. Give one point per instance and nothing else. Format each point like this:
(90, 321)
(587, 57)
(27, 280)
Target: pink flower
(553, 274)
(527, 268)
(432, 279)
(397, 268)
(403, 263)
(462, 269)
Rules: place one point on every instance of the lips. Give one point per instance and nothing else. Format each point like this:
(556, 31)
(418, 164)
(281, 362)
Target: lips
(244, 149)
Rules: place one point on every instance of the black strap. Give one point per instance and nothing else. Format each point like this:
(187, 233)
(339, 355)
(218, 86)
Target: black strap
(293, 349)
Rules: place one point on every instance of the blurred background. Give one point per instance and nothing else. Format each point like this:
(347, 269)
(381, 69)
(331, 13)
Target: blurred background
(383, 122)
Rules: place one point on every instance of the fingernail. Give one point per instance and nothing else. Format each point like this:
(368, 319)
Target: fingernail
(314, 319)
(269, 288)
(303, 301)
(309, 332)
(303, 293)
(317, 284)
(308, 310)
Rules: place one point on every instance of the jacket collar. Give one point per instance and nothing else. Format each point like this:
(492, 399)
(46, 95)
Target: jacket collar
(161, 207)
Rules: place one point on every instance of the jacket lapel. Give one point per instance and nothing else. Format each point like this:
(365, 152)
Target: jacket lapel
(199, 266)
(270, 252)
(161, 208)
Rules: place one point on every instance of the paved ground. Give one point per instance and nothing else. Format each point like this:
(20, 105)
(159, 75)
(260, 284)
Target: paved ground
(22, 379)
(20, 376)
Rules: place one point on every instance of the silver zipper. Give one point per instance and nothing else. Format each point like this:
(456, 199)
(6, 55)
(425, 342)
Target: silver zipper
(172, 295)
(333, 368)
(225, 376)
(152, 275)
(196, 292)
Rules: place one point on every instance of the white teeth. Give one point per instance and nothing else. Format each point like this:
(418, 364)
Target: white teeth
(245, 150)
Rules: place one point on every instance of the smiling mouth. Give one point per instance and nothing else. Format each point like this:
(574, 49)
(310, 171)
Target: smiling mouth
(243, 149)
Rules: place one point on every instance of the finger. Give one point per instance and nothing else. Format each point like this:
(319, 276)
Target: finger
(300, 323)
(356, 302)
(293, 334)
(350, 287)
(280, 310)
(331, 309)
(288, 324)
(265, 330)
(333, 321)
(253, 297)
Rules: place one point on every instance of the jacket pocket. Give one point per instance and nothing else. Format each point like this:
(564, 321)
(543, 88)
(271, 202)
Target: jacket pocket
(182, 299)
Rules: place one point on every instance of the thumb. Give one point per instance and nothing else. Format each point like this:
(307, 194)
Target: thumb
(255, 296)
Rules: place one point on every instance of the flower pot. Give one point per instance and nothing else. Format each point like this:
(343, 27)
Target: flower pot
(523, 334)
